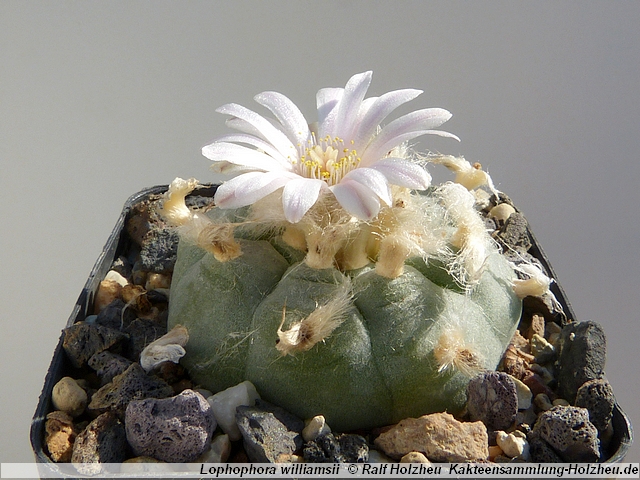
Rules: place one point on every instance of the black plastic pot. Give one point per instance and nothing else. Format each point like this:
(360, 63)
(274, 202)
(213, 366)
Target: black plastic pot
(118, 243)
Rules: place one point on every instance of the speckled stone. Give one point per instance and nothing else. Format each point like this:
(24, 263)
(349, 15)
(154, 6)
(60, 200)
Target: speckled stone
(159, 250)
(176, 429)
(569, 432)
(268, 431)
(492, 399)
(339, 448)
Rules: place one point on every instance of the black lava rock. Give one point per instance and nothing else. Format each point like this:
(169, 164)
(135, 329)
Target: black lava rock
(102, 441)
(132, 384)
(541, 451)
(141, 333)
(268, 431)
(582, 357)
(83, 340)
(569, 432)
(122, 266)
(159, 250)
(597, 397)
(116, 316)
(341, 448)
(493, 399)
(108, 365)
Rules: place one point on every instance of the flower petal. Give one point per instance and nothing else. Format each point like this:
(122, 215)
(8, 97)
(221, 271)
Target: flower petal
(326, 101)
(374, 180)
(299, 195)
(349, 105)
(365, 106)
(270, 133)
(248, 188)
(356, 199)
(228, 155)
(402, 129)
(403, 173)
(288, 114)
(382, 107)
(254, 141)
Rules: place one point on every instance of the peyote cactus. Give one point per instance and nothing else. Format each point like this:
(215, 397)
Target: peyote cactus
(331, 274)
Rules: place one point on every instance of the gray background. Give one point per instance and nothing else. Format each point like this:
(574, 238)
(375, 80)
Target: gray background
(98, 100)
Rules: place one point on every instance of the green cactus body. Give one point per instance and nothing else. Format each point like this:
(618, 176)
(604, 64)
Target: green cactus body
(331, 273)
(400, 350)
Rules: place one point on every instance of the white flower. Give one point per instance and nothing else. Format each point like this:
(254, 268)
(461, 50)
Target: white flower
(346, 153)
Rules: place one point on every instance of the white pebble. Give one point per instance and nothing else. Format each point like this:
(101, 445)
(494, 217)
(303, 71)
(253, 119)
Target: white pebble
(524, 394)
(513, 446)
(219, 451)
(116, 277)
(108, 291)
(314, 428)
(224, 406)
(69, 397)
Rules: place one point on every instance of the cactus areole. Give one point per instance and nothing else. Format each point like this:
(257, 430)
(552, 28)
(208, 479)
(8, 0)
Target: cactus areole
(331, 273)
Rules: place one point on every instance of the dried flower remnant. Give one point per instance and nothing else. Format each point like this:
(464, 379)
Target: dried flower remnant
(174, 208)
(453, 353)
(470, 176)
(213, 237)
(536, 284)
(318, 325)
